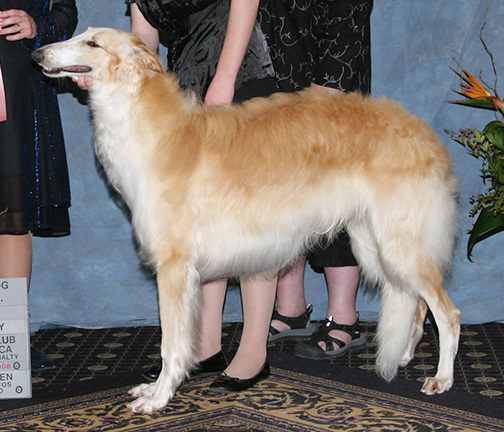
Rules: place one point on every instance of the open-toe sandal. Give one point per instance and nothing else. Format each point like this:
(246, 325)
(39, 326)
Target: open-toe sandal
(312, 350)
(298, 329)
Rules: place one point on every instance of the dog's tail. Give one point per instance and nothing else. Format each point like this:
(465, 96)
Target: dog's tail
(394, 332)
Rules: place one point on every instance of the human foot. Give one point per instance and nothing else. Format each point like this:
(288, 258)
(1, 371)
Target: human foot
(287, 328)
(323, 344)
(228, 384)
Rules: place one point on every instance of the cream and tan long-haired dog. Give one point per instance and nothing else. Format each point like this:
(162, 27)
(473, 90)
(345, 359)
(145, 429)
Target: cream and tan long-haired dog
(232, 190)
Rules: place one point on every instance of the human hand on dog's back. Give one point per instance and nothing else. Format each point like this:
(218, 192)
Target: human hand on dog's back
(220, 91)
(16, 25)
(332, 90)
(242, 18)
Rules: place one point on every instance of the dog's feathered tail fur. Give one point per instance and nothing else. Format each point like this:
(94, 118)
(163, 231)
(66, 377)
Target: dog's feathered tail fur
(232, 190)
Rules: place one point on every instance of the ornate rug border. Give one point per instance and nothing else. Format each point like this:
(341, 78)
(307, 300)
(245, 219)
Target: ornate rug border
(294, 380)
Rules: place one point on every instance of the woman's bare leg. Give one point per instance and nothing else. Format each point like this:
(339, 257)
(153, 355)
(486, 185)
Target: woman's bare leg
(258, 296)
(16, 256)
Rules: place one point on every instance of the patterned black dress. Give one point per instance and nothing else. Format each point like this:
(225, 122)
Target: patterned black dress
(322, 41)
(326, 42)
(34, 185)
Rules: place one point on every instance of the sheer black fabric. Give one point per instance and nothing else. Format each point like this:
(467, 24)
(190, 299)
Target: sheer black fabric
(34, 184)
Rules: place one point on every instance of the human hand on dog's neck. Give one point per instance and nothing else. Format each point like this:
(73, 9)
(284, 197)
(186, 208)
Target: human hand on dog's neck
(84, 82)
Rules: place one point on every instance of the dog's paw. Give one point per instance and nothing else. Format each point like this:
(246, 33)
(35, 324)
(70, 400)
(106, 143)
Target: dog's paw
(143, 390)
(147, 405)
(436, 385)
(406, 359)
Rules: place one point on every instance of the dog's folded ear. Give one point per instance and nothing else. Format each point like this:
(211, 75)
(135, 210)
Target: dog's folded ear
(146, 58)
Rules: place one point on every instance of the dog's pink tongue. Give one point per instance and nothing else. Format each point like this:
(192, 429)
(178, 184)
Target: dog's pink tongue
(76, 69)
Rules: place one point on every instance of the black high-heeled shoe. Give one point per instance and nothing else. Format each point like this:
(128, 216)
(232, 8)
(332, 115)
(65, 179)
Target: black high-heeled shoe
(216, 363)
(227, 384)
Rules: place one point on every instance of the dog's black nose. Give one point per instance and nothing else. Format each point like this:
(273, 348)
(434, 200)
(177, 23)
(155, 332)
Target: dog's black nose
(37, 56)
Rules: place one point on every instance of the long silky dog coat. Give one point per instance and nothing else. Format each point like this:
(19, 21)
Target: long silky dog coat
(233, 190)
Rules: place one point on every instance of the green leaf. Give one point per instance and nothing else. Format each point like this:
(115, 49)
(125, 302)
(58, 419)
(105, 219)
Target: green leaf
(484, 103)
(485, 226)
(494, 131)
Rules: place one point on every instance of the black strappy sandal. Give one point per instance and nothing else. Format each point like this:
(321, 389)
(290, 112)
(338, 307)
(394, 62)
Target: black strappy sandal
(312, 350)
(298, 330)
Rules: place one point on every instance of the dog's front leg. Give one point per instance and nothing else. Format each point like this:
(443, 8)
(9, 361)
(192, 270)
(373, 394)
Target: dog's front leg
(178, 289)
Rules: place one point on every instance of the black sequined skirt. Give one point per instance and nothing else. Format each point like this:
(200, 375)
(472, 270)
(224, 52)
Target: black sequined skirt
(34, 184)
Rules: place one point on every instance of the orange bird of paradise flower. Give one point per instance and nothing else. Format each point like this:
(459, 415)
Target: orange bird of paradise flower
(478, 95)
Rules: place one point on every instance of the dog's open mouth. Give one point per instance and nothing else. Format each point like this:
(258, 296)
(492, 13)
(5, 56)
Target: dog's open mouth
(71, 69)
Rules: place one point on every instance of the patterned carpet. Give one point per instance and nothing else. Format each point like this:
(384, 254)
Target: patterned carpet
(87, 389)
(81, 355)
(287, 401)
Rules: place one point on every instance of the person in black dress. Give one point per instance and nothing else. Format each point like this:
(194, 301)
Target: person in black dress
(323, 44)
(34, 185)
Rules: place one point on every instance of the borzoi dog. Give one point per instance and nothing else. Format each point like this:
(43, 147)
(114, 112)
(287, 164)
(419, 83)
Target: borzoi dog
(230, 190)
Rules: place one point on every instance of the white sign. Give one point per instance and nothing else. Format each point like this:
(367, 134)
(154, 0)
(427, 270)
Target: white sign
(15, 368)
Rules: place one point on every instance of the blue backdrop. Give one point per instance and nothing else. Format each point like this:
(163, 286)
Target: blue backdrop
(93, 278)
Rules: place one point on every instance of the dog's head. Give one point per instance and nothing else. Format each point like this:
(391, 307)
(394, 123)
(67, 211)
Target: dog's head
(104, 54)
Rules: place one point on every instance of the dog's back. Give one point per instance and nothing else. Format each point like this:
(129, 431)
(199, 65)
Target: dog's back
(341, 159)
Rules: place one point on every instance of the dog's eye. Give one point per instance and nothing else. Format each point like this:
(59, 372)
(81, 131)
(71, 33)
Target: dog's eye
(93, 44)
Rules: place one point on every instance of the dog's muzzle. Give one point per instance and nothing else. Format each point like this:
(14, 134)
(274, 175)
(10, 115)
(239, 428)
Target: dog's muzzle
(39, 57)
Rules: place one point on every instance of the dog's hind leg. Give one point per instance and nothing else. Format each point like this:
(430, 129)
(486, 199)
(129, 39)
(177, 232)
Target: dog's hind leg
(399, 316)
(178, 287)
(416, 332)
(393, 335)
(397, 304)
(447, 318)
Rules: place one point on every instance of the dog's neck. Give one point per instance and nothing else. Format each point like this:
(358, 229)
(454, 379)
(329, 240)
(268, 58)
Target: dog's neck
(123, 115)
(120, 96)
